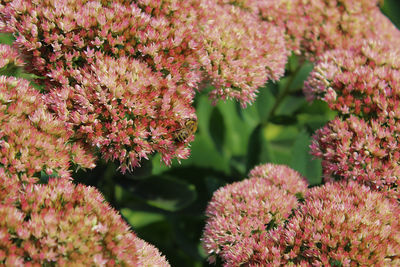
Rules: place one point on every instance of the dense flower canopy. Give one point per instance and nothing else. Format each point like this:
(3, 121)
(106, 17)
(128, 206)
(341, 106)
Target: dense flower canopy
(239, 214)
(124, 74)
(254, 223)
(67, 225)
(314, 27)
(362, 84)
(119, 78)
(31, 139)
(342, 224)
(363, 80)
(362, 150)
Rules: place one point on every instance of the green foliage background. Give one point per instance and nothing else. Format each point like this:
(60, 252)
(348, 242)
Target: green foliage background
(165, 205)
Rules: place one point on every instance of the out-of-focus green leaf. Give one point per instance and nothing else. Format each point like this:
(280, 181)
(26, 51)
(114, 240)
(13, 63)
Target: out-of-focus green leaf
(318, 107)
(205, 154)
(238, 166)
(283, 120)
(166, 193)
(303, 161)
(188, 231)
(141, 218)
(217, 129)
(311, 121)
(275, 132)
(314, 171)
(238, 127)
(161, 234)
(6, 38)
(391, 8)
(213, 184)
(293, 62)
(290, 104)
(300, 155)
(280, 139)
(265, 101)
(258, 150)
(202, 145)
(142, 172)
(301, 75)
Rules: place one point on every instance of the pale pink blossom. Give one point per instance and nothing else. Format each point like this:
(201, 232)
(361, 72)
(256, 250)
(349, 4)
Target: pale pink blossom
(363, 150)
(362, 80)
(68, 225)
(314, 27)
(343, 224)
(32, 139)
(240, 214)
(9, 55)
(282, 177)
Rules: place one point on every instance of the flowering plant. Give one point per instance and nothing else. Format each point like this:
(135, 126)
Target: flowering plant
(95, 94)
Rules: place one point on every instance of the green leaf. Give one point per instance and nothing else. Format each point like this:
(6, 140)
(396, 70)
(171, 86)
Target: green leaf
(165, 192)
(303, 162)
(213, 184)
(301, 75)
(280, 139)
(258, 150)
(204, 152)
(239, 123)
(391, 8)
(217, 129)
(187, 232)
(293, 62)
(141, 218)
(283, 120)
(265, 101)
(290, 104)
(6, 38)
(300, 155)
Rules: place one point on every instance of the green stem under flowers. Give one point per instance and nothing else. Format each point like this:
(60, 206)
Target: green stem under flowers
(282, 95)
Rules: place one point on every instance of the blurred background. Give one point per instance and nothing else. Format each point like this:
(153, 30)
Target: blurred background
(165, 205)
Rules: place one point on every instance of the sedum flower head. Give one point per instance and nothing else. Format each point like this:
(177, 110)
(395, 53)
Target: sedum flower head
(313, 27)
(363, 80)
(66, 225)
(31, 139)
(122, 79)
(126, 110)
(342, 224)
(9, 55)
(148, 255)
(281, 176)
(362, 150)
(240, 214)
(123, 74)
(241, 52)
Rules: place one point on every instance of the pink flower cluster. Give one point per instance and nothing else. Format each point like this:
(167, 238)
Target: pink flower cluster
(67, 225)
(282, 177)
(363, 150)
(241, 50)
(362, 83)
(239, 214)
(123, 75)
(313, 27)
(363, 80)
(340, 224)
(9, 55)
(31, 139)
